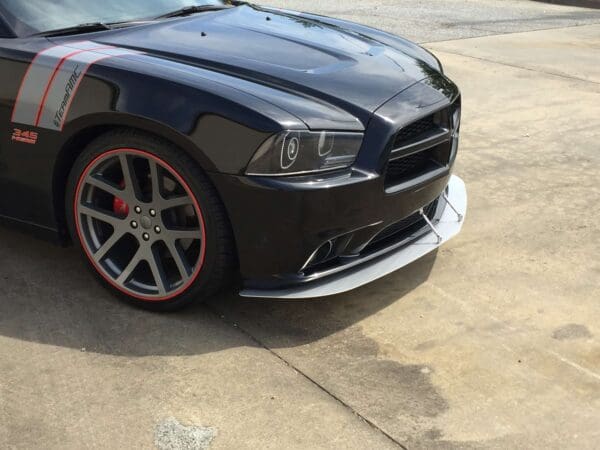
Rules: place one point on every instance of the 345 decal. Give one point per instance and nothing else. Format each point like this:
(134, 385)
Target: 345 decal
(24, 136)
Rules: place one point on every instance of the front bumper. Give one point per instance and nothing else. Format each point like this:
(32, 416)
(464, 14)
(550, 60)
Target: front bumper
(322, 234)
(447, 224)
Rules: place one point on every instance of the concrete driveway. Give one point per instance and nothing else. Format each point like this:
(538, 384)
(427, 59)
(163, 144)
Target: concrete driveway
(492, 343)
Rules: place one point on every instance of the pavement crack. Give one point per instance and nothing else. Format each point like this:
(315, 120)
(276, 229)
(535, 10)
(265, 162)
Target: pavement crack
(573, 364)
(307, 377)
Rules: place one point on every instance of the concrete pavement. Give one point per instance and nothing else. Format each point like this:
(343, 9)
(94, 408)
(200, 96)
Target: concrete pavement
(494, 343)
(80, 370)
(441, 20)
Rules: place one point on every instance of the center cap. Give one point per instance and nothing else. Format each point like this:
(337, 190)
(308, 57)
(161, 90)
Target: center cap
(146, 222)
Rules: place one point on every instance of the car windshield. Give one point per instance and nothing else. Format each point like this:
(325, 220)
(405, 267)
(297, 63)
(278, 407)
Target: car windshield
(39, 16)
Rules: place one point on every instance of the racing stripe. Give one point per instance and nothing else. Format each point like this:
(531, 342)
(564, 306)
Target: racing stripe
(37, 77)
(55, 107)
(52, 80)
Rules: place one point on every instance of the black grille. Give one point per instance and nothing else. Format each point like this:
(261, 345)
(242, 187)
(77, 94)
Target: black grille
(414, 130)
(409, 166)
(415, 137)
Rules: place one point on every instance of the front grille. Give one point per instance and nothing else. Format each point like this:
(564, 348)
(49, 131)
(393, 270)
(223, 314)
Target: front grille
(410, 165)
(421, 147)
(414, 130)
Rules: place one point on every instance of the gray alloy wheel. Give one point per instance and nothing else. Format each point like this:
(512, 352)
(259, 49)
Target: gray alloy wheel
(140, 224)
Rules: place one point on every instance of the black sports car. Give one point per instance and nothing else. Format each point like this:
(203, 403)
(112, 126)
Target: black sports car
(187, 144)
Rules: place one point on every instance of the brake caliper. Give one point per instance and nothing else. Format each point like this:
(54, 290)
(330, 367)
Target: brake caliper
(119, 206)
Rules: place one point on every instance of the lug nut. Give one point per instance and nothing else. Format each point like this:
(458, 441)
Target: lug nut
(146, 236)
(134, 224)
(157, 229)
(153, 213)
(138, 209)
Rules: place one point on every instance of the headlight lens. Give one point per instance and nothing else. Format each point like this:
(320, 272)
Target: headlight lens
(300, 152)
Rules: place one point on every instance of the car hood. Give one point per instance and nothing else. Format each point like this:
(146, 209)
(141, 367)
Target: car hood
(282, 50)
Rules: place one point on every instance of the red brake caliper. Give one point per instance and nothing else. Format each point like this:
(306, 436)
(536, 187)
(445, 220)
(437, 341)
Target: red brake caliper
(119, 206)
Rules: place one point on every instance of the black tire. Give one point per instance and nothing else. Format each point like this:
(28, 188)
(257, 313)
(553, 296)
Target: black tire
(214, 252)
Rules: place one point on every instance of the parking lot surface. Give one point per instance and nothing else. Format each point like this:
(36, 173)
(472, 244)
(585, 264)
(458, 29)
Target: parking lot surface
(492, 343)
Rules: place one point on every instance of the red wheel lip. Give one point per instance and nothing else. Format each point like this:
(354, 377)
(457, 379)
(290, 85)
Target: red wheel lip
(180, 179)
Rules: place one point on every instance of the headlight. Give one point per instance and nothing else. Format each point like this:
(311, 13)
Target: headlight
(299, 152)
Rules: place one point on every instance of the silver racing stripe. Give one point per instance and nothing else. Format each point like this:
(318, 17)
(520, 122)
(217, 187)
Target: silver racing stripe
(53, 111)
(52, 80)
(35, 81)
(37, 77)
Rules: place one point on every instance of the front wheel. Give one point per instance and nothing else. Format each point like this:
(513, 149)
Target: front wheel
(149, 221)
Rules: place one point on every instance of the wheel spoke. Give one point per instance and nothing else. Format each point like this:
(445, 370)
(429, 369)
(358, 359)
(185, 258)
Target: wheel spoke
(155, 181)
(105, 248)
(100, 215)
(157, 271)
(104, 185)
(131, 266)
(132, 185)
(179, 257)
(174, 202)
(184, 234)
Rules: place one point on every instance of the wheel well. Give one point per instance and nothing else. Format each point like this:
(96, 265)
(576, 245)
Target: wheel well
(65, 161)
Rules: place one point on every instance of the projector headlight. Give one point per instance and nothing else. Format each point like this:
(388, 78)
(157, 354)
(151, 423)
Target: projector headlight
(300, 152)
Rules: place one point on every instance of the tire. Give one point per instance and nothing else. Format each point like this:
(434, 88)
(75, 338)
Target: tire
(148, 221)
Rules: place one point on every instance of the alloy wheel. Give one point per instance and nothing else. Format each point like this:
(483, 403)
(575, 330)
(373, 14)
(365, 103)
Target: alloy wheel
(140, 224)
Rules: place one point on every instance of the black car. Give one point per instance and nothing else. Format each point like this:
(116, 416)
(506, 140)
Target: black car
(184, 145)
